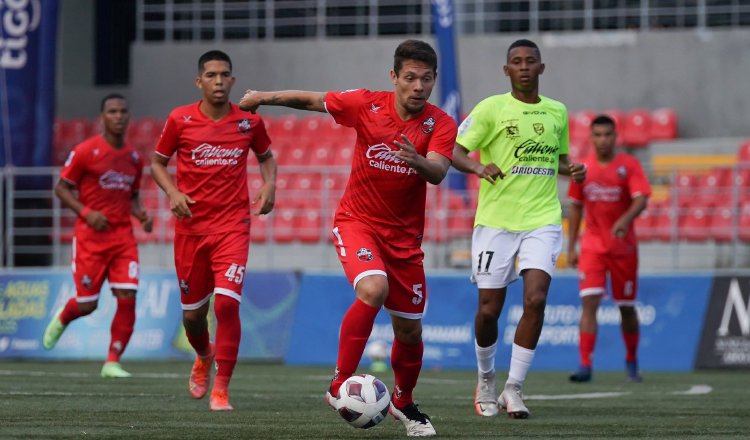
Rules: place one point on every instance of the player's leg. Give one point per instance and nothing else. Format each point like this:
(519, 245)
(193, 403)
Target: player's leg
(493, 263)
(89, 270)
(592, 270)
(360, 256)
(537, 256)
(624, 274)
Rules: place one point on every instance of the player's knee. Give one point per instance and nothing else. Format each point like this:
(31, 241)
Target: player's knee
(409, 336)
(194, 319)
(373, 290)
(628, 312)
(535, 302)
(488, 312)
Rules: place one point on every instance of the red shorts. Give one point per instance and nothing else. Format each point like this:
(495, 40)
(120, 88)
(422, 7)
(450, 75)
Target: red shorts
(623, 272)
(94, 258)
(209, 264)
(362, 252)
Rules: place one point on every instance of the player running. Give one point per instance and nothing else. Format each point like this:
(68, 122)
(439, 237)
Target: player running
(402, 142)
(522, 138)
(107, 172)
(212, 140)
(615, 192)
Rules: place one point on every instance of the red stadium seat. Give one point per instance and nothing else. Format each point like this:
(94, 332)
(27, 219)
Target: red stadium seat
(743, 152)
(663, 124)
(685, 188)
(308, 223)
(694, 224)
(342, 155)
(296, 154)
(618, 116)
(580, 129)
(580, 151)
(259, 228)
(312, 127)
(283, 128)
(321, 155)
(721, 224)
(460, 217)
(284, 223)
(744, 222)
(636, 128)
(644, 223)
(664, 223)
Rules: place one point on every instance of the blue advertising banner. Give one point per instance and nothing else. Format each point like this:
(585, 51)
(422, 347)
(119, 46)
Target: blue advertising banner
(28, 31)
(28, 300)
(667, 306)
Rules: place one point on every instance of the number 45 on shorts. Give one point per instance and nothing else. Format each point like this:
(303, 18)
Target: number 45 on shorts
(235, 273)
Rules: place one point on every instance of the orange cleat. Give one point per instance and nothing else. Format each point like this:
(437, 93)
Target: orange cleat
(220, 400)
(200, 375)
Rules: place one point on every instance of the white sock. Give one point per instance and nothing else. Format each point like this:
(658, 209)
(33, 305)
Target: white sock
(520, 362)
(485, 357)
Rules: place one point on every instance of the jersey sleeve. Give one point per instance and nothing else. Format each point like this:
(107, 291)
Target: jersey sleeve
(74, 166)
(443, 138)
(344, 106)
(169, 139)
(564, 140)
(478, 129)
(261, 141)
(638, 182)
(575, 192)
(138, 173)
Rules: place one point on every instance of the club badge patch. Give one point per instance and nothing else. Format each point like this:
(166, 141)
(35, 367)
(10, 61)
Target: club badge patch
(364, 254)
(243, 126)
(428, 125)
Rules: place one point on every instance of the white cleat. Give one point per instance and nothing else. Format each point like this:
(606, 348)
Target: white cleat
(485, 398)
(511, 400)
(332, 401)
(417, 423)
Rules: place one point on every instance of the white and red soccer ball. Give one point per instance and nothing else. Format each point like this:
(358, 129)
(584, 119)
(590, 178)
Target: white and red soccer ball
(363, 401)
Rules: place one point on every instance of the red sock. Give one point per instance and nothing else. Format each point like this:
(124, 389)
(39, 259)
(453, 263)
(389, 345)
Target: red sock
(122, 328)
(631, 345)
(228, 332)
(70, 312)
(355, 330)
(199, 342)
(587, 341)
(406, 361)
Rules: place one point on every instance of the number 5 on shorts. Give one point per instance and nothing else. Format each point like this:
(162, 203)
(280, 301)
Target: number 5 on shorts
(235, 273)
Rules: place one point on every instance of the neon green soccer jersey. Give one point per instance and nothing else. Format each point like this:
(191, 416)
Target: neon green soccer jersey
(525, 141)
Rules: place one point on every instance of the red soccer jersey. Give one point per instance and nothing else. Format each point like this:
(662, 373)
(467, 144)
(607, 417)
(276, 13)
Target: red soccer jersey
(383, 191)
(606, 195)
(212, 165)
(106, 179)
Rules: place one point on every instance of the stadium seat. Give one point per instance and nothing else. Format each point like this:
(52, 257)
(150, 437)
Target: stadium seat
(308, 223)
(580, 150)
(312, 127)
(283, 128)
(284, 222)
(259, 228)
(664, 226)
(743, 228)
(636, 128)
(321, 155)
(296, 154)
(460, 217)
(721, 224)
(663, 124)
(619, 117)
(743, 152)
(714, 185)
(693, 224)
(685, 188)
(580, 129)
(342, 155)
(644, 223)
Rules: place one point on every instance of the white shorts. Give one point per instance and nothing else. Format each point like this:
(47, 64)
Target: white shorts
(494, 252)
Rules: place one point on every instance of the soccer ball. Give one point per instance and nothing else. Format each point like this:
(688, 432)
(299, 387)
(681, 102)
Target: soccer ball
(363, 401)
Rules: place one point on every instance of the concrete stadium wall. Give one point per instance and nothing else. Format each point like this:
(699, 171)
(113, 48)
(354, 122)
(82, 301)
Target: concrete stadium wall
(699, 74)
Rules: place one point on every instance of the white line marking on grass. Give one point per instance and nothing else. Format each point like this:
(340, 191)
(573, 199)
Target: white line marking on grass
(695, 390)
(86, 375)
(68, 394)
(576, 396)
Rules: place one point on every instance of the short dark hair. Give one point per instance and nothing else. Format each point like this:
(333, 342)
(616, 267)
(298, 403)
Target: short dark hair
(213, 55)
(108, 97)
(523, 43)
(603, 120)
(414, 50)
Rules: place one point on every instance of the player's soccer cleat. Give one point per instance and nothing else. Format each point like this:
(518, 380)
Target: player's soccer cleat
(54, 330)
(332, 400)
(114, 370)
(416, 422)
(485, 398)
(631, 368)
(511, 400)
(583, 374)
(200, 375)
(219, 401)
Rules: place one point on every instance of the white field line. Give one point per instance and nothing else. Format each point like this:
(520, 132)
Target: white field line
(695, 390)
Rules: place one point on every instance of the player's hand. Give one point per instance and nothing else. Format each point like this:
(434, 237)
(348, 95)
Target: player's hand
(407, 151)
(577, 172)
(250, 101)
(179, 204)
(572, 258)
(489, 172)
(264, 200)
(620, 228)
(97, 220)
(147, 222)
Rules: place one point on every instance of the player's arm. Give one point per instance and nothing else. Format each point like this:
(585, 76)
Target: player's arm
(462, 162)
(621, 226)
(432, 168)
(178, 202)
(575, 213)
(299, 99)
(266, 197)
(576, 171)
(95, 219)
(136, 209)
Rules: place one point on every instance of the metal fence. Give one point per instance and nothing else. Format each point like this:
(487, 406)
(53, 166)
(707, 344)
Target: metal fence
(195, 20)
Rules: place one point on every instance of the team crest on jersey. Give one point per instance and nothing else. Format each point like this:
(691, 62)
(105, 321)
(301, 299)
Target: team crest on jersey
(511, 128)
(86, 281)
(428, 125)
(538, 128)
(622, 172)
(243, 126)
(184, 287)
(134, 156)
(364, 254)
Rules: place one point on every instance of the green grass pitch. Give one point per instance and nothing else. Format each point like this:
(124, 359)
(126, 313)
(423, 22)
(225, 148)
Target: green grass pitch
(54, 400)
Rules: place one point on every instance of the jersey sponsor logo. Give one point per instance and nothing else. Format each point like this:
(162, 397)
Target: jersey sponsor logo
(116, 180)
(428, 125)
(594, 192)
(532, 171)
(208, 155)
(19, 19)
(465, 125)
(535, 112)
(364, 254)
(533, 151)
(244, 126)
(538, 128)
(381, 157)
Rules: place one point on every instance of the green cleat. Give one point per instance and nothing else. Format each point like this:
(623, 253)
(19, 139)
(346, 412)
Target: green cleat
(114, 369)
(54, 330)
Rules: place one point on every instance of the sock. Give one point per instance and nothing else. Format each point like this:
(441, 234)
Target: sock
(122, 328)
(587, 341)
(70, 312)
(228, 333)
(631, 345)
(355, 330)
(406, 361)
(485, 357)
(520, 362)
